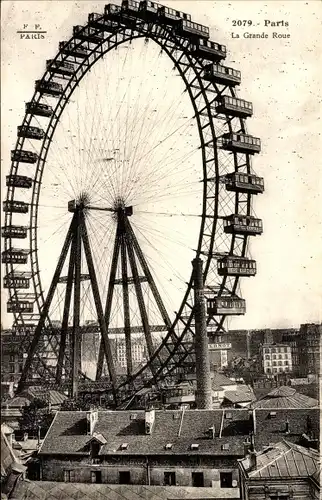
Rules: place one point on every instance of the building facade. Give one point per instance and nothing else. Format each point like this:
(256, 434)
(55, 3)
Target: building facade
(276, 359)
(309, 347)
(198, 448)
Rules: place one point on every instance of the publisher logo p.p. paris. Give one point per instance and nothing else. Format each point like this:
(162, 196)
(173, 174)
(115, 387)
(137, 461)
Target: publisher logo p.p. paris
(31, 32)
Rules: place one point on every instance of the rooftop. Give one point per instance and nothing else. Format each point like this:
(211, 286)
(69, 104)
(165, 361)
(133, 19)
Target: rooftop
(283, 460)
(220, 380)
(71, 491)
(286, 397)
(243, 394)
(69, 431)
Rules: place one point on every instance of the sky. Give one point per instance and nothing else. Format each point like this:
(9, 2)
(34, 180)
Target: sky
(281, 77)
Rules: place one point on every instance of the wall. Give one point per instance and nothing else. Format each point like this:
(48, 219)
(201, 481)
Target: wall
(143, 473)
(298, 489)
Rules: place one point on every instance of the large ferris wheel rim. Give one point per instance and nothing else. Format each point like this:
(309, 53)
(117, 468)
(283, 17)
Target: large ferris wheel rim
(97, 52)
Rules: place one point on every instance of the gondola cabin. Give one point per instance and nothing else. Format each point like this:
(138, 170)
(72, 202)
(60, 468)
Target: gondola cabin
(10, 231)
(244, 183)
(17, 207)
(39, 109)
(172, 16)
(19, 181)
(242, 224)
(49, 88)
(112, 11)
(30, 132)
(17, 279)
(88, 34)
(190, 29)
(131, 7)
(23, 306)
(24, 156)
(63, 68)
(15, 256)
(149, 10)
(233, 265)
(222, 74)
(73, 50)
(209, 50)
(241, 143)
(98, 21)
(226, 305)
(234, 107)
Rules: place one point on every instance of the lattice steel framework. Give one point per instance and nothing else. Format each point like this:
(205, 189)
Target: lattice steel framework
(90, 43)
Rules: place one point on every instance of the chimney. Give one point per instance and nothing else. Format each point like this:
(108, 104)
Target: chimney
(309, 425)
(149, 420)
(287, 427)
(247, 446)
(252, 460)
(252, 421)
(204, 391)
(92, 417)
(212, 432)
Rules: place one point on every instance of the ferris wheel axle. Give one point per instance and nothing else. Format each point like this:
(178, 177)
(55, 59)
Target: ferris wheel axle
(119, 207)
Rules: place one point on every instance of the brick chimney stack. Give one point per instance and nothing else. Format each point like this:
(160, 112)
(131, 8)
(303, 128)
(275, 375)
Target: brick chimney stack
(204, 391)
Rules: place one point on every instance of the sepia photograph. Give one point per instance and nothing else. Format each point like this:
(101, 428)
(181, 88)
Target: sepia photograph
(161, 249)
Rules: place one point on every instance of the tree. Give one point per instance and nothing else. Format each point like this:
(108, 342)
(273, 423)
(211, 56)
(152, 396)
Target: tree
(34, 417)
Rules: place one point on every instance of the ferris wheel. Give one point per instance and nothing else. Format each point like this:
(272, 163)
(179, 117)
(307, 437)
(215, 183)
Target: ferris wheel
(132, 159)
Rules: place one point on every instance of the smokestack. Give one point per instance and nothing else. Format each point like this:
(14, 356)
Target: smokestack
(204, 392)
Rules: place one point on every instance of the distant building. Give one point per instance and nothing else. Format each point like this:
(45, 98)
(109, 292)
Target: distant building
(12, 358)
(282, 471)
(309, 349)
(304, 342)
(171, 448)
(138, 351)
(276, 359)
(219, 354)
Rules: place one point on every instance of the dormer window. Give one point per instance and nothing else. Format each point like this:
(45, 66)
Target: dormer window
(133, 416)
(272, 414)
(95, 449)
(225, 447)
(124, 446)
(168, 446)
(194, 446)
(228, 415)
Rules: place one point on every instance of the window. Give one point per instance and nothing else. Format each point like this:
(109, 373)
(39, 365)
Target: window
(95, 449)
(69, 476)
(124, 477)
(197, 479)
(169, 478)
(226, 479)
(96, 476)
